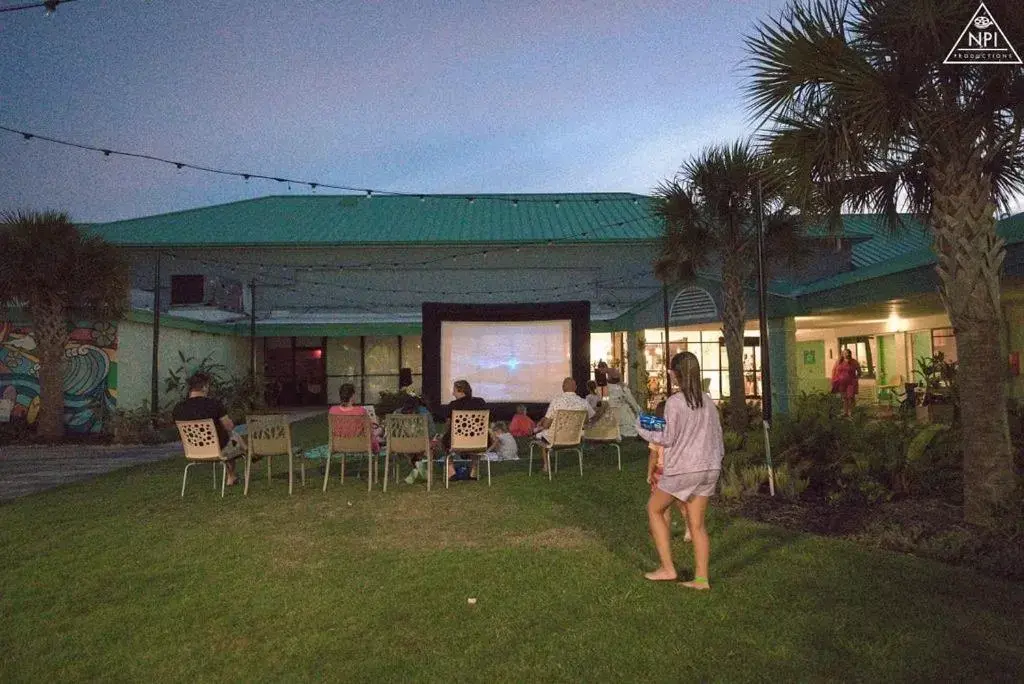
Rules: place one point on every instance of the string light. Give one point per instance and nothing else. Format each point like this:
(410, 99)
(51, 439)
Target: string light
(49, 5)
(555, 199)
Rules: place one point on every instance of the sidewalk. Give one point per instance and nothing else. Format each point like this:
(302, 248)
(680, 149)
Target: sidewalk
(35, 468)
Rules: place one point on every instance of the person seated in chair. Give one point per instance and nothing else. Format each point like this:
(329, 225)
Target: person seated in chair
(200, 406)
(346, 393)
(463, 400)
(568, 400)
(522, 425)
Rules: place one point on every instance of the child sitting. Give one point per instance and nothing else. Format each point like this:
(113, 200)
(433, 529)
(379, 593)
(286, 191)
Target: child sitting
(503, 445)
(522, 425)
(655, 469)
(593, 398)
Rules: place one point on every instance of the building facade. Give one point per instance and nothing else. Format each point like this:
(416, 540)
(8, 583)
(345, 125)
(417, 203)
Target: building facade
(310, 292)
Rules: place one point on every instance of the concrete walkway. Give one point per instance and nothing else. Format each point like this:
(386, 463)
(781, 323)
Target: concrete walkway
(35, 468)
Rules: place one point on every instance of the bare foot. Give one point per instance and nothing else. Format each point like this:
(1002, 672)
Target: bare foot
(699, 585)
(661, 575)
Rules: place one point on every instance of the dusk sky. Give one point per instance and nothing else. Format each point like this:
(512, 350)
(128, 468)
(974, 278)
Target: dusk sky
(433, 97)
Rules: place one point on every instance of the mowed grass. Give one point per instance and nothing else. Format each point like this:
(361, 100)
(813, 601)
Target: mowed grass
(119, 579)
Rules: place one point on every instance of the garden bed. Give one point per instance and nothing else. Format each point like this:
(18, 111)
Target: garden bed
(929, 528)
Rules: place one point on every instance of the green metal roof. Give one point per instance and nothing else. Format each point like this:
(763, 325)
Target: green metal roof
(326, 220)
(885, 255)
(323, 220)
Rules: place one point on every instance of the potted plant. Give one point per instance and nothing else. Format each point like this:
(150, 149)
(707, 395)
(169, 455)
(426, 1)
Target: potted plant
(938, 379)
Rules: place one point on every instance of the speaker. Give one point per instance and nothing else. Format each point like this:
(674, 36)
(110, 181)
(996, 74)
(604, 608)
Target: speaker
(404, 377)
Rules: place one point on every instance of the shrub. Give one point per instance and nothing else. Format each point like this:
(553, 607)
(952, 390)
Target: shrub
(16, 432)
(135, 426)
(731, 486)
(733, 441)
(843, 461)
(241, 395)
(788, 485)
(740, 459)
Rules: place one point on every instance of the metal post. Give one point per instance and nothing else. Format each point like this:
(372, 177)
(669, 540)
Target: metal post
(668, 371)
(766, 371)
(154, 374)
(252, 330)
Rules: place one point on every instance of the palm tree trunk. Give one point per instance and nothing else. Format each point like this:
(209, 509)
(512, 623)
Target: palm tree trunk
(970, 256)
(51, 335)
(733, 309)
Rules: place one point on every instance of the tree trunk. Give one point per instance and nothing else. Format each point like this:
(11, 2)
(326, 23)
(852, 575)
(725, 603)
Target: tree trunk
(51, 335)
(733, 309)
(970, 257)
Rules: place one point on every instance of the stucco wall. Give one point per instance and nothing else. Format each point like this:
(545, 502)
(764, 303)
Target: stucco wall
(135, 352)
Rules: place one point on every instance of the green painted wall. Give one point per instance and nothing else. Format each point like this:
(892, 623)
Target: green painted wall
(811, 371)
(920, 345)
(784, 362)
(135, 357)
(887, 359)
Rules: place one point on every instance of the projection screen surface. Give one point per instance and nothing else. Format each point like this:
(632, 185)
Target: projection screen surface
(504, 361)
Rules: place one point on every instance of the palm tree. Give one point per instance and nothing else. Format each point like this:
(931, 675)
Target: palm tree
(708, 210)
(857, 99)
(58, 275)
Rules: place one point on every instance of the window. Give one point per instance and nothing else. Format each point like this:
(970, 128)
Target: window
(860, 347)
(944, 341)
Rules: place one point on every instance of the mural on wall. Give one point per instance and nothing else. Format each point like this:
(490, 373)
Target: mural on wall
(90, 375)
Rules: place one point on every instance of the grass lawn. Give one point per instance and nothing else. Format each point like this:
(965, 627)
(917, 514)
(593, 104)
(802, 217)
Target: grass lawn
(121, 579)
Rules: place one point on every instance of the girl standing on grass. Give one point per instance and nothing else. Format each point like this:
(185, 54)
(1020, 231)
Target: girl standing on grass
(692, 461)
(655, 469)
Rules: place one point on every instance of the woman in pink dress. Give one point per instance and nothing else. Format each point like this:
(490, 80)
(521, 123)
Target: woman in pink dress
(844, 380)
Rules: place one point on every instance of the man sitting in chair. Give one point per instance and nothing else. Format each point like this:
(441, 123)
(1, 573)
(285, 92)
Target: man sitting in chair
(568, 400)
(199, 406)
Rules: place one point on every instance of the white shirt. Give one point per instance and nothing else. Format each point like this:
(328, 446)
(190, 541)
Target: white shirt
(508, 450)
(566, 401)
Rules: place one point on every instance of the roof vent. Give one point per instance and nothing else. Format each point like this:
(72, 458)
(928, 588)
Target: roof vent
(692, 304)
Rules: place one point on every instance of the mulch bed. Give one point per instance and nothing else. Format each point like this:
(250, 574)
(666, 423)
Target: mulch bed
(930, 515)
(931, 528)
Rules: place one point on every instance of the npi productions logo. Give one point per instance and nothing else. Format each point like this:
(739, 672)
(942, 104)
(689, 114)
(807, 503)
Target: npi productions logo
(982, 42)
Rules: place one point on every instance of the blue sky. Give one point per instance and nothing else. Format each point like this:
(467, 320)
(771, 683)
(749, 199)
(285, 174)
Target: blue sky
(411, 96)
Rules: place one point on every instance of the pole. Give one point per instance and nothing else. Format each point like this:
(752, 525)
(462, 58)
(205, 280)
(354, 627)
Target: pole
(766, 370)
(252, 330)
(154, 371)
(668, 371)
